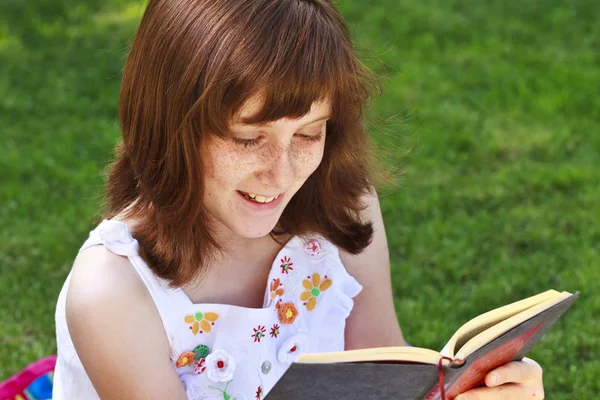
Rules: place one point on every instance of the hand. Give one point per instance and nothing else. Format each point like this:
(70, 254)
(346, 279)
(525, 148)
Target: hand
(513, 380)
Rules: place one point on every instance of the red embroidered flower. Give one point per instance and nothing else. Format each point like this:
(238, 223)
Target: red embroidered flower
(259, 333)
(200, 366)
(286, 265)
(274, 330)
(313, 247)
(259, 393)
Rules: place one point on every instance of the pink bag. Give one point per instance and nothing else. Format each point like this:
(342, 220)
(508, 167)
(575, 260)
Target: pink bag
(34, 382)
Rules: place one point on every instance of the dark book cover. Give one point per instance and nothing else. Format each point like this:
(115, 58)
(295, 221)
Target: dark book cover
(413, 381)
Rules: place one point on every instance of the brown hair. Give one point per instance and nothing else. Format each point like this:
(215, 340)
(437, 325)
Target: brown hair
(192, 66)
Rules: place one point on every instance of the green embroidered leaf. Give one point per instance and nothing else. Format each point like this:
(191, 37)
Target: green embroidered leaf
(201, 351)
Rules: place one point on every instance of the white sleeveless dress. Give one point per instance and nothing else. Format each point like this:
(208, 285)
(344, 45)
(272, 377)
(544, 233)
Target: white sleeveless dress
(221, 350)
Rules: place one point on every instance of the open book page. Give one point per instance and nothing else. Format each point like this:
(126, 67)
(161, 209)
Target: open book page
(484, 321)
(400, 353)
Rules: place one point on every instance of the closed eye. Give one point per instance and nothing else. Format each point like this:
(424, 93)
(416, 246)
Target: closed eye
(312, 138)
(245, 142)
(254, 142)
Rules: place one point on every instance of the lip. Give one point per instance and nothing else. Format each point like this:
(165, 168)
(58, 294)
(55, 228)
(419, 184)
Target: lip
(261, 206)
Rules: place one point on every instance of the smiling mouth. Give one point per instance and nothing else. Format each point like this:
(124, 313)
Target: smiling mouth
(259, 199)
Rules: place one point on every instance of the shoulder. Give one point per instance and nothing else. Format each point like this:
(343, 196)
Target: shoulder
(113, 322)
(102, 270)
(105, 289)
(99, 275)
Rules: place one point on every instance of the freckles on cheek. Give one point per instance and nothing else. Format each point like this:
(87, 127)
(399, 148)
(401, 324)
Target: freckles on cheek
(237, 166)
(309, 159)
(226, 165)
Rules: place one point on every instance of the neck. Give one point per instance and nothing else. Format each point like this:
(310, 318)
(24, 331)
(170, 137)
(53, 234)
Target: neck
(248, 262)
(244, 251)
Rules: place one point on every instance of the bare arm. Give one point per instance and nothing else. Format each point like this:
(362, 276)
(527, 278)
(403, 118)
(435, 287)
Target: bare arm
(373, 321)
(117, 331)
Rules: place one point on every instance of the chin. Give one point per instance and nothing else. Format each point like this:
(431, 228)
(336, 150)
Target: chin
(253, 231)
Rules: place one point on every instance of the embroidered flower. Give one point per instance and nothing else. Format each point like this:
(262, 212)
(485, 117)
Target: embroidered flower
(291, 349)
(274, 330)
(276, 289)
(200, 366)
(313, 247)
(314, 289)
(287, 312)
(201, 320)
(185, 359)
(286, 265)
(220, 366)
(259, 393)
(259, 333)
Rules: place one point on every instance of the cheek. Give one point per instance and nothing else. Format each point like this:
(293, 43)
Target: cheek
(309, 159)
(225, 167)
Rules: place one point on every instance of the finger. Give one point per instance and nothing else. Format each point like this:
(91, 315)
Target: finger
(523, 371)
(509, 391)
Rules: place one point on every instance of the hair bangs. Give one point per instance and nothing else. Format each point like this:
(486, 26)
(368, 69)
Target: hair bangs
(288, 62)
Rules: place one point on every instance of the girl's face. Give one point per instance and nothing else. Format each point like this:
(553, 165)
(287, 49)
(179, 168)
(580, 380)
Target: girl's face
(252, 173)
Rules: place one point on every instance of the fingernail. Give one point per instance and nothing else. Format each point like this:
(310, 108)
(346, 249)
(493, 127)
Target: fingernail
(493, 379)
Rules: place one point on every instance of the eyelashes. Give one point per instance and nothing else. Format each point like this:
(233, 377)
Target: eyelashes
(246, 143)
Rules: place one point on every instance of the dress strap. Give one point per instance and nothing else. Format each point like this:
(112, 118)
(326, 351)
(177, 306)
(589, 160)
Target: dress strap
(115, 236)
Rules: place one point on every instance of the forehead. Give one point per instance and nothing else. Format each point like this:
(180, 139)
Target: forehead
(255, 104)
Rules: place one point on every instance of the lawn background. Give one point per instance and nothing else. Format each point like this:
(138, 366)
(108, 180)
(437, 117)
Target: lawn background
(496, 102)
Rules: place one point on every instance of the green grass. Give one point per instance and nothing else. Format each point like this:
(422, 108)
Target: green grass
(497, 99)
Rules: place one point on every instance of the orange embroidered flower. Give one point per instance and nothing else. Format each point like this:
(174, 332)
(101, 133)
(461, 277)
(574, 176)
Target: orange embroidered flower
(201, 320)
(287, 313)
(313, 290)
(276, 288)
(185, 359)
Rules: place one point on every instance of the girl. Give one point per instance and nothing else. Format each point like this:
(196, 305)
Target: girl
(241, 221)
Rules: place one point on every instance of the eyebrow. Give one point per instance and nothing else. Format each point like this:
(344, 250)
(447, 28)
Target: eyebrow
(317, 119)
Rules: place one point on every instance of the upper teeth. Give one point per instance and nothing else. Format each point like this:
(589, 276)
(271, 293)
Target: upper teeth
(262, 199)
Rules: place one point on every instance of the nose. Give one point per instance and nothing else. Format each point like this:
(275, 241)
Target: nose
(279, 167)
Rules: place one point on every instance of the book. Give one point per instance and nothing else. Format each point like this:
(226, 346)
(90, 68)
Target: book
(409, 373)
